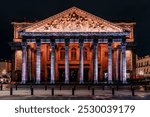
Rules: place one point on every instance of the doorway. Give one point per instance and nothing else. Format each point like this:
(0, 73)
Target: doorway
(86, 74)
(73, 75)
(62, 75)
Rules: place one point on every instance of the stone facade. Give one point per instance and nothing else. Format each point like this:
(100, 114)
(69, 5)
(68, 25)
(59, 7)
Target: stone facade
(73, 46)
(5, 67)
(143, 66)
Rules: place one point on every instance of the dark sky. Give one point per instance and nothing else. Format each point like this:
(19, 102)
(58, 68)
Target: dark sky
(111, 10)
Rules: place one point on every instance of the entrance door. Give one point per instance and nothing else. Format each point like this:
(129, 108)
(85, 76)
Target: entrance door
(62, 75)
(73, 75)
(49, 74)
(86, 75)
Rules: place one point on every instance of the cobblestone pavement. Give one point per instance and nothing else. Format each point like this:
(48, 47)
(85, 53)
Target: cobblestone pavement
(80, 93)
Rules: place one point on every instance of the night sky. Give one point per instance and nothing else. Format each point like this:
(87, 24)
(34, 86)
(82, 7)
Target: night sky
(111, 10)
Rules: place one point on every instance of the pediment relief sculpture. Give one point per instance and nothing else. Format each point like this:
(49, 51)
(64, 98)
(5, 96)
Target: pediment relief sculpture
(74, 20)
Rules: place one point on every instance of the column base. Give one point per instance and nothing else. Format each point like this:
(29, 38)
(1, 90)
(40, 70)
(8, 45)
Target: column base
(38, 82)
(52, 82)
(23, 82)
(81, 82)
(110, 82)
(66, 81)
(95, 81)
(124, 82)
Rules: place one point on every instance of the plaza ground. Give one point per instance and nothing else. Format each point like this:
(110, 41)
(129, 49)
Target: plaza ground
(74, 92)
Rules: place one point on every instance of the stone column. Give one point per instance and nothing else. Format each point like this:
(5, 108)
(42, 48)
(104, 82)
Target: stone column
(52, 81)
(117, 64)
(38, 62)
(95, 48)
(123, 51)
(24, 63)
(81, 42)
(109, 62)
(101, 62)
(29, 63)
(121, 65)
(33, 64)
(66, 61)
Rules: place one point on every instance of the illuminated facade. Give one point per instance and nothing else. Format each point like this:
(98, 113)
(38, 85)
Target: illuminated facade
(143, 66)
(73, 46)
(5, 67)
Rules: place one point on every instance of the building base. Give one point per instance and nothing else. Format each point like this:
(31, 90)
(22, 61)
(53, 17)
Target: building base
(95, 81)
(38, 82)
(23, 82)
(81, 82)
(124, 82)
(110, 82)
(52, 82)
(66, 81)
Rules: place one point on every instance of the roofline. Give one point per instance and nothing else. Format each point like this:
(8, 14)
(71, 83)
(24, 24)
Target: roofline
(21, 23)
(133, 23)
(86, 12)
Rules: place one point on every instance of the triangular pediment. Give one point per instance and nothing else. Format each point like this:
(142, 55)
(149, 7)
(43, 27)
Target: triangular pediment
(73, 20)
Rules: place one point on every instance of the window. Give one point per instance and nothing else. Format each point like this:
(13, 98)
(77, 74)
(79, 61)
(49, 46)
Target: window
(62, 53)
(85, 53)
(142, 64)
(73, 54)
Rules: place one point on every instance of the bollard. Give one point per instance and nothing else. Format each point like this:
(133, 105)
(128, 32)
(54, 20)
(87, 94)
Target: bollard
(73, 90)
(93, 93)
(113, 91)
(133, 91)
(32, 91)
(46, 87)
(89, 87)
(145, 88)
(11, 91)
(1, 87)
(52, 91)
(16, 87)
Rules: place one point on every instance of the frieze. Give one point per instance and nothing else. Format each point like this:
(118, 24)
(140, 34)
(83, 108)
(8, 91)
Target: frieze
(64, 34)
(73, 40)
(74, 20)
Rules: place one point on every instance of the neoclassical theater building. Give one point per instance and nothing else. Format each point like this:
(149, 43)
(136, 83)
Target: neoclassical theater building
(73, 46)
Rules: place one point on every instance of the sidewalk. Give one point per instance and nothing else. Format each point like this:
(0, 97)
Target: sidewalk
(40, 93)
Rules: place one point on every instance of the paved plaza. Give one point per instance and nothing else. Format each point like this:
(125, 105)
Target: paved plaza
(73, 92)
